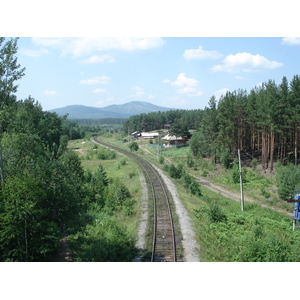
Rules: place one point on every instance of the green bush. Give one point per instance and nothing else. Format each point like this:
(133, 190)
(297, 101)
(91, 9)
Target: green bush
(104, 241)
(133, 146)
(190, 162)
(175, 172)
(225, 158)
(288, 180)
(215, 213)
(161, 159)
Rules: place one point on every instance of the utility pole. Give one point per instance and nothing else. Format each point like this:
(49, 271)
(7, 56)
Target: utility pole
(158, 149)
(241, 180)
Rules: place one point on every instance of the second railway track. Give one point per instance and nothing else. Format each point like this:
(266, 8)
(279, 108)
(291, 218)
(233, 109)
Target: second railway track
(165, 238)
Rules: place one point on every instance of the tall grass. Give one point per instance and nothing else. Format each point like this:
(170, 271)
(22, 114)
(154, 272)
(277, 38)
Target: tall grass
(255, 235)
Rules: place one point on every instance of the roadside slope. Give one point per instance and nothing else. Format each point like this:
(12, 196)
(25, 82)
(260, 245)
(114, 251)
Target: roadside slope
(235, 196)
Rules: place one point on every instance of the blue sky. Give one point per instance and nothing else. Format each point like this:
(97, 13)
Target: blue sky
(172, 72)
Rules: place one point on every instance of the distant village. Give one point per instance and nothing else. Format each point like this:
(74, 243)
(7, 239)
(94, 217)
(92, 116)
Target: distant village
(169, 140)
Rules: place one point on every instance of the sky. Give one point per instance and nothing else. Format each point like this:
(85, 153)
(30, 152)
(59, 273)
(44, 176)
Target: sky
(176, 72)
(184, 53)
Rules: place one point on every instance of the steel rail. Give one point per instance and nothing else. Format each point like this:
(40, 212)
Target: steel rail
(155, 179)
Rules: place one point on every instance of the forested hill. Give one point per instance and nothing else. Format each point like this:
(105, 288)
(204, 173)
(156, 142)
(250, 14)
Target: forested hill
(112, 111)
(264, 123)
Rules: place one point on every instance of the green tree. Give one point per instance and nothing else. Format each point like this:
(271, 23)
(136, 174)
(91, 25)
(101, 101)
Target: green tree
(25, 233)
(10, 70)
(133, 146)
(295, 112)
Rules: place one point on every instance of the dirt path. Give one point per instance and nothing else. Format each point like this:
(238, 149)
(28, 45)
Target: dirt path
(64, 251)
(235, 196)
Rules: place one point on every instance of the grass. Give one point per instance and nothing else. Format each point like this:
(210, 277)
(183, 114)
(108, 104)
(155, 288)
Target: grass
(227, 234)
(124, 222)
(223, 231)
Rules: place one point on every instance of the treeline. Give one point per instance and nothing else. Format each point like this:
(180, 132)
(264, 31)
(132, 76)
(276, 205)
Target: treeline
(80, 128)
(158, 120)
(103, 121)
(264, 123)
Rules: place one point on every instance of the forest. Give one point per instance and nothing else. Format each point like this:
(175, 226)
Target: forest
(44, 190)
(264, 123)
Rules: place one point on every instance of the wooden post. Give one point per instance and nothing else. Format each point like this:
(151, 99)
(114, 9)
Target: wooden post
(241, 181)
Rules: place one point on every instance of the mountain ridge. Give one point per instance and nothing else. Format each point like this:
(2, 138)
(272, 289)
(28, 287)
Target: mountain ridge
(125, 110)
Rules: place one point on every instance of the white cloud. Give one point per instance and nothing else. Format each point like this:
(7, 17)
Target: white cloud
(82, 46)
(201, 54)
(239, 77)
(96, 59)
(291, 41)
(99, 91)
(96, 80)
(34, 53)
(47, 92)
(220, 92)
(182, 80)
(186, 86)
(246, 62)
(138, 91)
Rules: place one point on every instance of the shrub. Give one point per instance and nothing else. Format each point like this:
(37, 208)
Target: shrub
(254, 163)
(215, 213)
(288, 179)
(104, 241)
(175, 172)
(225, 158)
(190, 161)
(161, 159)
(195, 188)
(133, 146)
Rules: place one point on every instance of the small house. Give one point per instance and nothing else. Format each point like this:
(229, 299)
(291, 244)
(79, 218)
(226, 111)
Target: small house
(172, 140)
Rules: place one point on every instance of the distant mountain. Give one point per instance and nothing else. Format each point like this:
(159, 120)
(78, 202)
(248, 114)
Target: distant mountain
(112, 111)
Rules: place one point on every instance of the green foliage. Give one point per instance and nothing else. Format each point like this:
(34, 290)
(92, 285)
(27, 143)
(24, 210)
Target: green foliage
(133, 146)
(255, 235)
(254, 163)
(175, 172)
(288, 180)
(225, 158)
(161, 159)
(198, 145)
(190, 162)
(116, 194)
(9, 68)
(105, 240)
(215, 213)
(192, 185)
(44, 190)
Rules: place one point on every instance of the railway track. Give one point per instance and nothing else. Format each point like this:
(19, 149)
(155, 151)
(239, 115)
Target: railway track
(165, 242)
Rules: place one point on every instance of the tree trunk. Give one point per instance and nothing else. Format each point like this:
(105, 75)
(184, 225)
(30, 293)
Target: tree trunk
(296, 144)
(272, 142)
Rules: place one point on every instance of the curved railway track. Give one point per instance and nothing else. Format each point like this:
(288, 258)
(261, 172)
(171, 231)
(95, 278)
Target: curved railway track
(164, 240)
